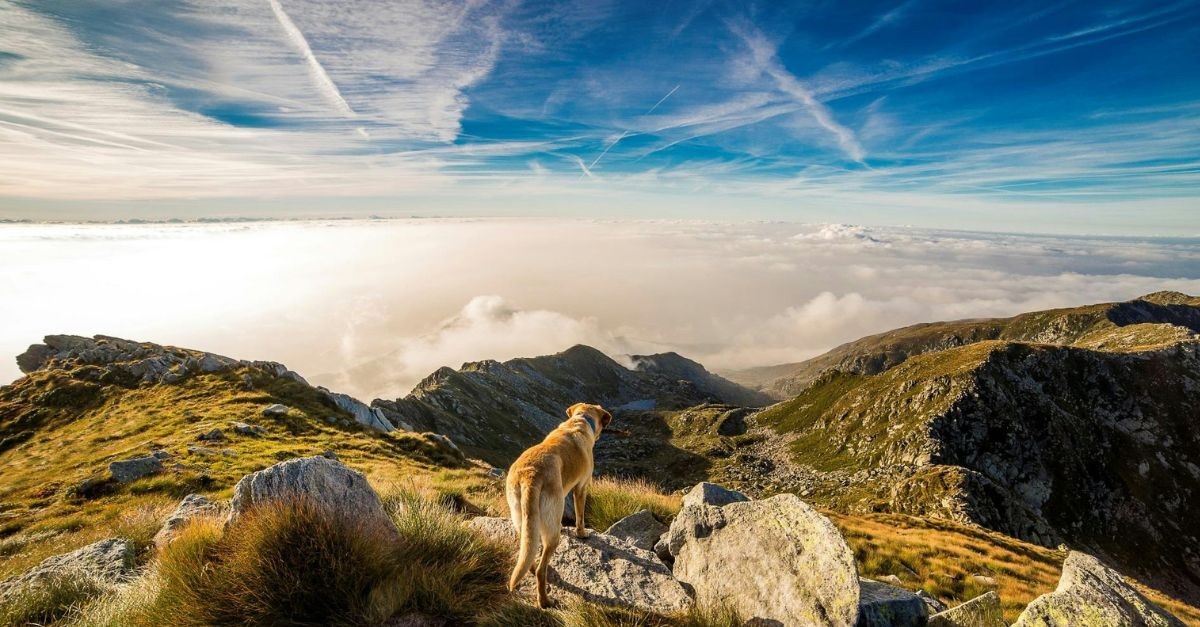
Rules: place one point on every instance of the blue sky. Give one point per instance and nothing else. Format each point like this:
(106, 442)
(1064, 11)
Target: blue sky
(1034, 116)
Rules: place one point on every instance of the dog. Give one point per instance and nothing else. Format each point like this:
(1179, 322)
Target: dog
(538, 482)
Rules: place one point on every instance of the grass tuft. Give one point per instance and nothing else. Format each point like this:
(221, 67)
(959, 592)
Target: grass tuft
(611, 499)
(50, 599)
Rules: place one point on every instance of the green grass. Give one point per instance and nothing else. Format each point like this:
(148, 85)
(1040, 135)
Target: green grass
(611, 499)
(50, 599)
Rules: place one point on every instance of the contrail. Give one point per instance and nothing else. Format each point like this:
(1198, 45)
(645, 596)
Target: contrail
(625, 134)
(319, 76)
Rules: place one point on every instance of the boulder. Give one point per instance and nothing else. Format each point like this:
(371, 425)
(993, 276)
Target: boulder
(127, 470)
(276, 410)
(982, 611)
(883, 605)
(319, 480)
(109, 561)
(641, 529)
(363, 414)
(242, 428)
(705, 493)
(931, 602)
(601, 569)
(1090, 593)
(662, 548)
(772, 560)
(192, 506)
(213, 435)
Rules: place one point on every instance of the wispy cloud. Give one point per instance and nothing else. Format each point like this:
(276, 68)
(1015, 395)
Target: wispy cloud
(319, 76)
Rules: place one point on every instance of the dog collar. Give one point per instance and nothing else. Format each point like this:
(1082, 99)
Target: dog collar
(595, 430)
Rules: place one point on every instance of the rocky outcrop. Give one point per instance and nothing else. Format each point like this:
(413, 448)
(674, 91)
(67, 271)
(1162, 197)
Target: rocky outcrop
(126, 362)
(773, 560)
(678, 367)
(192, 506)
(495, 410)
(318, 480)
(982, 611)
(106, 561)
(882, 605)
(1090, 593)
(127, 470)
(601, 569)
(641, 529)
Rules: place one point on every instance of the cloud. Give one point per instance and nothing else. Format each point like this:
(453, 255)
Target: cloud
(374, 306)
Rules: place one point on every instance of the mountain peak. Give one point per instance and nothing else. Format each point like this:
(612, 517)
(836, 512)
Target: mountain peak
(1170, 297)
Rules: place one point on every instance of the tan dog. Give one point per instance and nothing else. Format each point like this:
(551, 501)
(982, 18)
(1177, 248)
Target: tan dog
(538, 482)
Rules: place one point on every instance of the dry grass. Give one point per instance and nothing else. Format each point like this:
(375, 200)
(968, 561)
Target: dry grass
(611, 499)
(942, 558)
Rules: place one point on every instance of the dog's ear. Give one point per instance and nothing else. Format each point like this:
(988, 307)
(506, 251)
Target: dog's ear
(572, 408)
(605, 417)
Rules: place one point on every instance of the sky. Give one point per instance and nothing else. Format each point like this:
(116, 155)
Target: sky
(370, 307)
(1050, 117)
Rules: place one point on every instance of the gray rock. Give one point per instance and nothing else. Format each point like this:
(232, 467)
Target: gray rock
(982, 611)
(931, 602)
(891, 580)
(127, 470)
(107, 561)
(705, 493)
(445, 441)
(641, 529)
(242, 428)
(276, 410)
(773, 560)
(882, 605)
(985, 580)
(601, 569)
(161, 454)
(662, 548)
(213, 435)
(496, 473)
(201, 450)
(363, 414)
(1090, 593)
(319, 480)
(192, 506)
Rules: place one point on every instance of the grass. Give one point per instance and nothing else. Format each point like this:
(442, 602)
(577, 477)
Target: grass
(611, 499)
(942, 558)
(50, 599)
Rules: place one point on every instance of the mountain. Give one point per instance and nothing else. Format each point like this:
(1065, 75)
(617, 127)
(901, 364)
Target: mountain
(494, 410)
(1069, 326)
(1093, 444)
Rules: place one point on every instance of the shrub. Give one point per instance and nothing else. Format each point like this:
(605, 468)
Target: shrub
(295, 564)
(50, 599)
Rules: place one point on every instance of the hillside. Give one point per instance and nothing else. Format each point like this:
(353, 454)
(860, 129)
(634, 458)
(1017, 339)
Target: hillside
(1052, 444)
(494, 410)
(1068, 326)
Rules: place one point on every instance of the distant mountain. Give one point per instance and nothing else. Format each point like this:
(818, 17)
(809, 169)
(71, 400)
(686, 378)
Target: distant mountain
(494, 410)
(876, 353)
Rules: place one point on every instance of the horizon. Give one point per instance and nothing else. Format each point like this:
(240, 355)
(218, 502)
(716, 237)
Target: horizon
(1066, 118)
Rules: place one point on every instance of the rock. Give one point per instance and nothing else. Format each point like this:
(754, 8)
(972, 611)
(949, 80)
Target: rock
(321, 481)
(276, 410)
(931, 602)
(363, 414)
(201, 450)
(496, 473)
(985, 580)
(242, 428)
(161, 454)
(211, 436)
(109, 561)
(662, 548)
(192, 506)
(775, 560)
(891, 580)
(445, 441)
(882, 605)
(712, 494)
(127, 470)
(1090, 593)
(601, 569)
(641, 529)
(982, 611)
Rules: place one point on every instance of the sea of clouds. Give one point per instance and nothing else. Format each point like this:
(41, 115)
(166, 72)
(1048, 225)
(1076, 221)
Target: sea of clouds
(371, 307)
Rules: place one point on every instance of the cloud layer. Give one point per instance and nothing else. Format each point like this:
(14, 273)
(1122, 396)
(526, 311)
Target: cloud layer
(371, 307)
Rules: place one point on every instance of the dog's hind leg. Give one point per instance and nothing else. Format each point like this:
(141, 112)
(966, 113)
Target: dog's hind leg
(527, 522)
(548, 525)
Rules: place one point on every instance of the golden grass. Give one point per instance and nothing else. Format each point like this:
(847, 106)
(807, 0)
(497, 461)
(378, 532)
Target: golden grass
(942, 558)
(611, 499)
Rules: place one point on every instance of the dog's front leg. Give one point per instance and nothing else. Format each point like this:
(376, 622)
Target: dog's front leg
(579, 495)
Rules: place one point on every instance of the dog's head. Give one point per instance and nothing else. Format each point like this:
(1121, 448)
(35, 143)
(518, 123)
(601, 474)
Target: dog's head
(598, 415)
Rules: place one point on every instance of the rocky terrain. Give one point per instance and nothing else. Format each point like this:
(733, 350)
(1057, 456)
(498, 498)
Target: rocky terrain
(1069, 429)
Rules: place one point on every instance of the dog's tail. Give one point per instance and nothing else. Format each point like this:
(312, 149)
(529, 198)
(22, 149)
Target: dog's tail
(526, 533)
